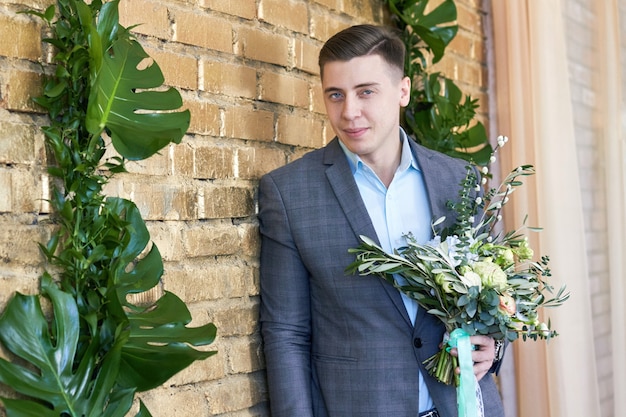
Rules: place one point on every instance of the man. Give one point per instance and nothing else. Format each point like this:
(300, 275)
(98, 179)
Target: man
(352, 346)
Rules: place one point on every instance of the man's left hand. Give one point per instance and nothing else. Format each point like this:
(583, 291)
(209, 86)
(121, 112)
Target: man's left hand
(482, 355)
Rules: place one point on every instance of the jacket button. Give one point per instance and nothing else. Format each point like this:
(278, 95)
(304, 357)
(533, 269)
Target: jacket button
(417, 342)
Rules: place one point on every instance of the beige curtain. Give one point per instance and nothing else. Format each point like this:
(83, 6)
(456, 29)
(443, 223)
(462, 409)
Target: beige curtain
(611, 110)
(532, 92)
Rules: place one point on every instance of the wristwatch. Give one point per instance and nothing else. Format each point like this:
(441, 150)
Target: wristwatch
(499, 351)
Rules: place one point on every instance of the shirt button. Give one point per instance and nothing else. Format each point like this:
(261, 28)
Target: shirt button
(417, 342)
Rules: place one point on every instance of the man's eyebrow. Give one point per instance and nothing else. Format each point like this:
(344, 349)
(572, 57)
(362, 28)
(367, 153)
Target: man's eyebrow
(362, 85)
(331, 89)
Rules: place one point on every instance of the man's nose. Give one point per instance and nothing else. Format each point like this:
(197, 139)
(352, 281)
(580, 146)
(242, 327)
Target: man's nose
(351, 108)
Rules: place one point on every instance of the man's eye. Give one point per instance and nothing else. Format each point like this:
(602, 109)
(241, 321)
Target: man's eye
(335, 96)
(366, 92)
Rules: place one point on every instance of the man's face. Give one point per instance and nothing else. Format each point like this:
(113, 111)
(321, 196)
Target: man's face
(363, 97)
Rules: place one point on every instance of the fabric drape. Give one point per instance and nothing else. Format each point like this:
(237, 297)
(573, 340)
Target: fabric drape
(534, 110)
(612, 107)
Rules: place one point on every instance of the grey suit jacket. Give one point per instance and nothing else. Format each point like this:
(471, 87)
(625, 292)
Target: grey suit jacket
(338, 345)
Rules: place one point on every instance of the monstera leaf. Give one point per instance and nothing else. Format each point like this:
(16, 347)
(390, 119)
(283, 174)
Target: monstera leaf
(123, 100)
(57, 387)
(444, 121)
(159, 343)
(93, 350)
(426, 29)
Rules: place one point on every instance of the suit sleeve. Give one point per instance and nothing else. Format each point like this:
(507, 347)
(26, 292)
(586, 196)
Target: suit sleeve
(285, 309)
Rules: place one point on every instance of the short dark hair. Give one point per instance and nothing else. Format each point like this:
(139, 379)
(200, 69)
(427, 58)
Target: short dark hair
(362, 40)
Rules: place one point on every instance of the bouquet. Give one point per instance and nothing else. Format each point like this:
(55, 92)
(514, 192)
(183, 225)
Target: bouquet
(471, 276)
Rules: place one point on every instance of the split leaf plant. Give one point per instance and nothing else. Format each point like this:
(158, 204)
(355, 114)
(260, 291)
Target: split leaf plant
(439, 116)
(93, 349)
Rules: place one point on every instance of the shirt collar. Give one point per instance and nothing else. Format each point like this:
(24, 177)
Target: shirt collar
(406, 159)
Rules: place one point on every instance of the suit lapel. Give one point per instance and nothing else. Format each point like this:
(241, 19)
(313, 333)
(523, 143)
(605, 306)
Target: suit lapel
(347, 193)
(438, 192)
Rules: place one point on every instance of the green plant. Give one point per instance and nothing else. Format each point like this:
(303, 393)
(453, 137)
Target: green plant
(439, 116)
(96, 349)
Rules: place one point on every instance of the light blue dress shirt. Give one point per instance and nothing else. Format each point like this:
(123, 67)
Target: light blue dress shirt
(396, 211)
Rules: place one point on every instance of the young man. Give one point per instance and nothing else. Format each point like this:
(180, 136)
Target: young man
(352, 346)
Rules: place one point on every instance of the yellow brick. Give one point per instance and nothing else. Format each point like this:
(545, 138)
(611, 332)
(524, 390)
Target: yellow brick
(317, 98)
(213, 162)
(367, 10)
(331, 4)
(204, 31)
(306, 56)
(20, 143)
(182, 159)
(289, 14)
(285, 89)
(254, 162)
(236, 392)
(155, 165)
(163, 201)
(19, 38)
(251, 246)
(207, 240)
(6, 194)
(470, 19)
(448, 67)
(245, 123)
(18, 244)
(244, 354)
(472, 73)
(178, 70)
(328, 131)
(229, 79)
(205, 117)
(235, 320)
(21, 87)
(324, 25)
(241, 8)
(26, 190)
(464, 44)
(171, 401)
(227, 202)
(204, 280)
(300, 130)
(152, 18)
(264, 46)
(167, 236)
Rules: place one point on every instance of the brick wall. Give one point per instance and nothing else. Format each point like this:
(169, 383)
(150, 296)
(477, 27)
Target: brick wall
(247, 70)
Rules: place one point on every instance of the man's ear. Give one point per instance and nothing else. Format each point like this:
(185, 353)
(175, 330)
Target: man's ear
(405, 91)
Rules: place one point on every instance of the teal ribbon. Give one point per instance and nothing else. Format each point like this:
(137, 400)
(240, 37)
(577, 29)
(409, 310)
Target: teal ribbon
(466, 391)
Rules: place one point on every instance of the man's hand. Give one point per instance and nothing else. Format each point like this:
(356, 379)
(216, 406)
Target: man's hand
(482, 355)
